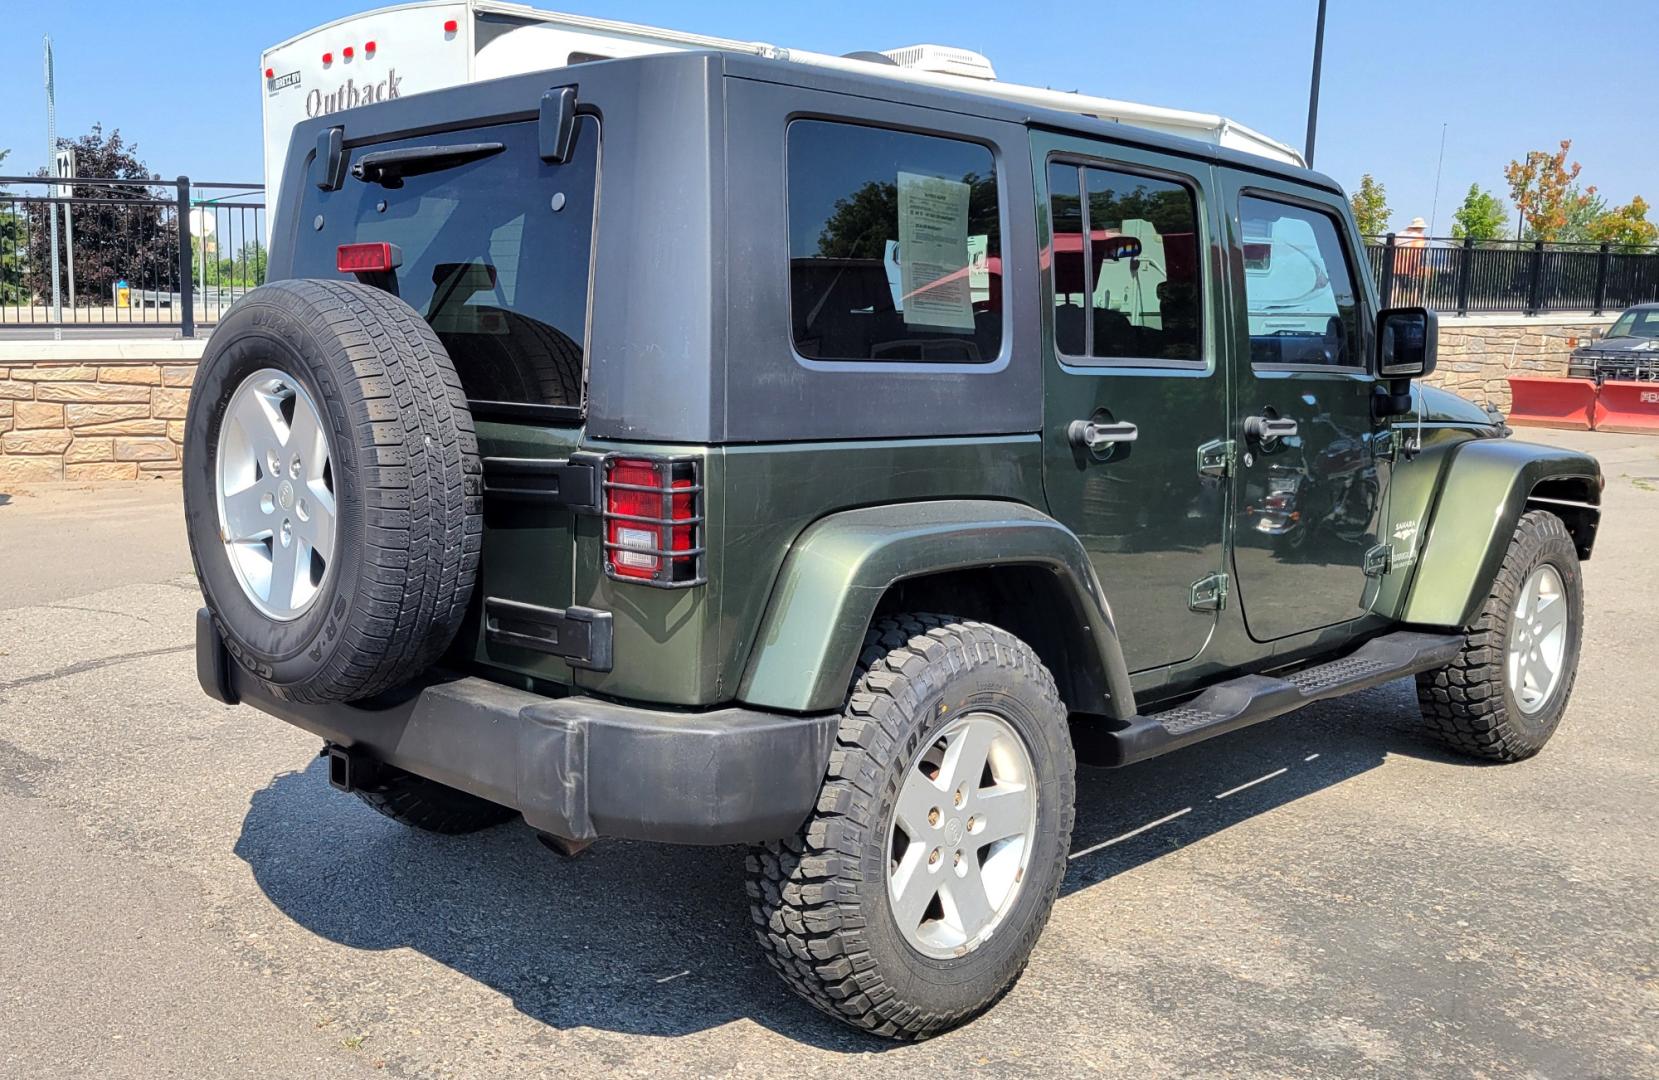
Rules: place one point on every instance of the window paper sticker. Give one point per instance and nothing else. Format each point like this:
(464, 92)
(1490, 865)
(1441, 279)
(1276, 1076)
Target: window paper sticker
(933, 251)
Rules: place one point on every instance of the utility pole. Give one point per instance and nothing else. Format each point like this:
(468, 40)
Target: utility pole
(52, 189)
(1313, 91)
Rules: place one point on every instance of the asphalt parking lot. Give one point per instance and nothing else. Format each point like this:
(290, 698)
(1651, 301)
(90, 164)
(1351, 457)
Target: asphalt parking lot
(182, 894)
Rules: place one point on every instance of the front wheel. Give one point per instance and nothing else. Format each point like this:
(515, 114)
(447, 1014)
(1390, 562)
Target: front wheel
(911, 899)
(1503, 697)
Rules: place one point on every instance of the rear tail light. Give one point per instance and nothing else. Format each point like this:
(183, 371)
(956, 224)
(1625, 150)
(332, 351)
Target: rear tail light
(450, 26)
(654, 520)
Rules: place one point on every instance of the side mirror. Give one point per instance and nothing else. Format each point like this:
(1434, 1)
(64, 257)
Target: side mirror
(1407, 339)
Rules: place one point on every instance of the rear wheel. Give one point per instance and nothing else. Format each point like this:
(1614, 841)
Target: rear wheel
(911, 899)
(1503, 697)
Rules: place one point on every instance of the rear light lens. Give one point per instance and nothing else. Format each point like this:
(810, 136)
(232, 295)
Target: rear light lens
(374, 258)
(368, 48)
(270, 73)
(328, 58)
(451, 26)
(654, 521)
(347, 52)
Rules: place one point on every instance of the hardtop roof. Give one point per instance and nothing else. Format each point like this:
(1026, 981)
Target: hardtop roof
(995, 108)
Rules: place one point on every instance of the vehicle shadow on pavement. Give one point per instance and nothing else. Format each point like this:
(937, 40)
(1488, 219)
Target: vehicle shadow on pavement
(1127, 817)
(654, 939)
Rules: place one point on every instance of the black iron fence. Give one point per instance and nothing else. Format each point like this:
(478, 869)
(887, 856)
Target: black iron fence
(127, 252)
(1520, 276)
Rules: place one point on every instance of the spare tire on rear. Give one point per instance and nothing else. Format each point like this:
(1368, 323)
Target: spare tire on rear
(331, 489)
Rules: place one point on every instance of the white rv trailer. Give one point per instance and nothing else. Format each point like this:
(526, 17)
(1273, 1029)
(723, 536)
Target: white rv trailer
(410, 48)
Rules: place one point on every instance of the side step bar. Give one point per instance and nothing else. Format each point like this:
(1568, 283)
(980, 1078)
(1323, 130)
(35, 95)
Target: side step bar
(1249, 699)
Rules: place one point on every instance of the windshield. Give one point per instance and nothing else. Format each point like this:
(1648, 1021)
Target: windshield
(1636, 323)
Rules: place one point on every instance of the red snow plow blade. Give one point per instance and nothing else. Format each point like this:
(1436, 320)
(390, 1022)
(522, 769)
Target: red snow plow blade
(1555, 403)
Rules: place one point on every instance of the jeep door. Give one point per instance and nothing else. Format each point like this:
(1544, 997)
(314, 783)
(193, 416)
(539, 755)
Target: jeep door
(1310, 486)
(1133, 388)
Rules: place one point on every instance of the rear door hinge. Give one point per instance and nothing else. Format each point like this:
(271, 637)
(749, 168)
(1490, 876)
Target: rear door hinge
(1379, 560)
(1215, 458)
(1208, 594)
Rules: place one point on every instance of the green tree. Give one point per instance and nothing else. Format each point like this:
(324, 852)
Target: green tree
(1481, 217)
(1625, 227)
(1370, 205)
(126, 236)
(1583, 207)
(13, 251)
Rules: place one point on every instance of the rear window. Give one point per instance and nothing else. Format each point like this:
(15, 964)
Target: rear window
(895, 246)
(495, 255)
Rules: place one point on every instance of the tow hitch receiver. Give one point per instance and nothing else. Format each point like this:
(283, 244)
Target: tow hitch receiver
(349, 768)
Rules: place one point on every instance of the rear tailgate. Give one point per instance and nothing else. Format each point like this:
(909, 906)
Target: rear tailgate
(492, 246)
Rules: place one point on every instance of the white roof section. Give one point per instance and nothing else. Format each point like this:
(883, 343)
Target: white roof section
(939, 66)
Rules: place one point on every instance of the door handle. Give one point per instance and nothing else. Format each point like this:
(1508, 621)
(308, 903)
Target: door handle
(1268, 429)
(1095, 435)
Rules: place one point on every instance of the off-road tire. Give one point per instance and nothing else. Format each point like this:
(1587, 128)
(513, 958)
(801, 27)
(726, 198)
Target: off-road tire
(426, 804)
(407, 486)
(1468, 704)
(819, 900)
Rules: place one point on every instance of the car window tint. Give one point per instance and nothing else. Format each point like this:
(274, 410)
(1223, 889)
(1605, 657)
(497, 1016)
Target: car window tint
(1132, 290)
(895, 249)
(495, 256)
(1298, 287)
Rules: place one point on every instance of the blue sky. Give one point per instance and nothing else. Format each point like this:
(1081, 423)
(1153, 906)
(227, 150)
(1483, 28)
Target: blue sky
(181, 77)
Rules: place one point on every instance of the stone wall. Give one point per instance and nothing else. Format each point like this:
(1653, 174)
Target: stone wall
(1478, 353)
(114, 410)
(93, 410)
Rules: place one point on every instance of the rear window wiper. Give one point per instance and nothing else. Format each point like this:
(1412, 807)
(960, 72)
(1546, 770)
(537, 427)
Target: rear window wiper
(389, 167)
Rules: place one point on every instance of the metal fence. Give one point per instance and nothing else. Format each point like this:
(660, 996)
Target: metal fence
(127, 252)
(1519, 276)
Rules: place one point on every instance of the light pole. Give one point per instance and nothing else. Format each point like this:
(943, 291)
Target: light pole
(53, 189)
(1313, 91)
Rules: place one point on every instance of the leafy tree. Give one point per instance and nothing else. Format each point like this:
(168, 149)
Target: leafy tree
(864, 221)
(1543, 190)
(12, 250)
(130, 235)
(1625, 227)
(1481, 217)
(1584, 206)
(1370, 205)
(242, 269)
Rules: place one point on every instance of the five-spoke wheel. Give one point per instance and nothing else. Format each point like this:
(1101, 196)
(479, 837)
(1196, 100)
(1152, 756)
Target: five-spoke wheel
(1537, 638)
(960, 838)
(276, 493)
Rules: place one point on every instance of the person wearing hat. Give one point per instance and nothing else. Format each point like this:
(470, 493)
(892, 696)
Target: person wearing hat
(1410, 266)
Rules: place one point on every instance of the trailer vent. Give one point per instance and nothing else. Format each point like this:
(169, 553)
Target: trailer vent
(943, 60)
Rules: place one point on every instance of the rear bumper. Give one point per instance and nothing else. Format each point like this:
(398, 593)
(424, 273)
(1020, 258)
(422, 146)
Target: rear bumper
(576, 767)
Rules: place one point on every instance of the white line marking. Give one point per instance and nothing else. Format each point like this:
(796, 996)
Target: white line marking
(1132, 832)
(1310, 757)
(671, 978)
(1252, 783)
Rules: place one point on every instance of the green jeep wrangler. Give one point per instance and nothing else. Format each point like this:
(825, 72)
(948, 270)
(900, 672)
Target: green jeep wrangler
(714, 450)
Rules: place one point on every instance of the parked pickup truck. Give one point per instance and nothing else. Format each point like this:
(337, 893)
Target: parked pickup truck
(710, 449)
